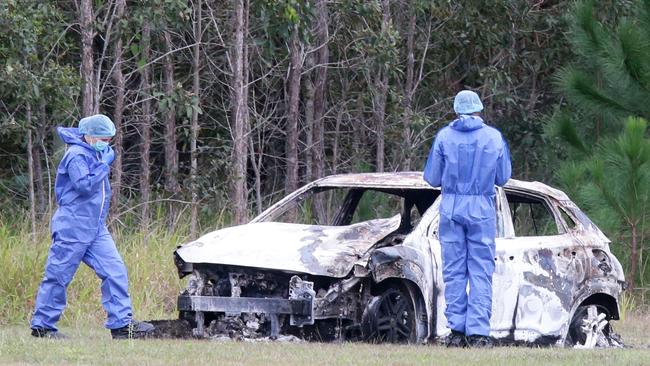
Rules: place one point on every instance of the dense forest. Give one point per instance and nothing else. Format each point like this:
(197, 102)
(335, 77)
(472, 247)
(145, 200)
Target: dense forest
(222, 107)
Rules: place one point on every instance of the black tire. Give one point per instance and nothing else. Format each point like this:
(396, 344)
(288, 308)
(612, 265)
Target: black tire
(584, 331)
(389, 318)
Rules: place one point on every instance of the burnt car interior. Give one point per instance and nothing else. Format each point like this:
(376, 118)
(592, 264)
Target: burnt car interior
(255, 302)
(340, 304)
(531, 216)
(347, 206)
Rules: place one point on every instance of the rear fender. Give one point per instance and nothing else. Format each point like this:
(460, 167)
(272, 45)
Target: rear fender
(602, 292)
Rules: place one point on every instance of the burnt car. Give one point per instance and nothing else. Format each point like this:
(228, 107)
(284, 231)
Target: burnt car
(357, 257)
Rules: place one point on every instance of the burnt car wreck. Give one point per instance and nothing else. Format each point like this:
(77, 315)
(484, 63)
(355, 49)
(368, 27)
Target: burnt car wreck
(356, 257)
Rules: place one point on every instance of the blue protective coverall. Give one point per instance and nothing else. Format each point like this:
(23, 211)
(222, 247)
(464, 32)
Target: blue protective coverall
(79, 233)
(466, 160)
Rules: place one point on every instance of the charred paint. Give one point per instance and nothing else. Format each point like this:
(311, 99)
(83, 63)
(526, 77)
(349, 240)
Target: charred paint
(538, 281)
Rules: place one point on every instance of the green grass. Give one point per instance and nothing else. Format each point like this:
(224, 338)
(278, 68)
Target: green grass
(89, 344)
(153, 280)
(154, 286)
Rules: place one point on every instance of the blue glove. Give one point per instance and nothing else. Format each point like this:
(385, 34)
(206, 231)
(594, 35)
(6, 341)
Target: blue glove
(108, 156)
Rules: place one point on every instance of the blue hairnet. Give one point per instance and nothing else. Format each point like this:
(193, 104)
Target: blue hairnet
(98, 126)
(467, 102)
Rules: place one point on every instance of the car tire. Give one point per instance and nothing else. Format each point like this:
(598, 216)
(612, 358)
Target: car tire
(590, 327)
(389, 318)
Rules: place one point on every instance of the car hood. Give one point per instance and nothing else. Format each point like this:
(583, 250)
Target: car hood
(314, 249)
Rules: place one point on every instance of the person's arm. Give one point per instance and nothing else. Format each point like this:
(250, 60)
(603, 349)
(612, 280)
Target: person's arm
(504, 166)
(86, 178)
(435, 164)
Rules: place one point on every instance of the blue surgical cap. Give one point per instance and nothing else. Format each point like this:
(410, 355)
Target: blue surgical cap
(467, 102)
(97, 126)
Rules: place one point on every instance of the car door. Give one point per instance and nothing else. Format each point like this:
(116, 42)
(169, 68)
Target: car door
(502, 278)
(536, 270)
(505, 282)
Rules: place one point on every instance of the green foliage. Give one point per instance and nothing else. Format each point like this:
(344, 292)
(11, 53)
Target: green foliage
(613, 186)
(280, 18)
(618, 175)
(30, 71)
(606, 170)
(609, 80)
(565, 128)
(504, 49)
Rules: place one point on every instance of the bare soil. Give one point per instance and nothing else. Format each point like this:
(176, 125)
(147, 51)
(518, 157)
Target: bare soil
(172, 329)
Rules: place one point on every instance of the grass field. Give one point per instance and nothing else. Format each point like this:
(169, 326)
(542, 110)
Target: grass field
(154, 286)
(89, 344)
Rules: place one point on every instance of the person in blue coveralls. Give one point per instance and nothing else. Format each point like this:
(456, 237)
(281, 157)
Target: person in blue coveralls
(467, 159)
(79, 233)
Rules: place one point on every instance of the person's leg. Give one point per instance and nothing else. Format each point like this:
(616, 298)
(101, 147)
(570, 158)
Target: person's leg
(62, 263)
(454, 272)
(103, 258)
(480, 267)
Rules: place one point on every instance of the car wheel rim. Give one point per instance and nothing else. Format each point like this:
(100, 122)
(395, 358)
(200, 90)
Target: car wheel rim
(593, 330)
(394, 318)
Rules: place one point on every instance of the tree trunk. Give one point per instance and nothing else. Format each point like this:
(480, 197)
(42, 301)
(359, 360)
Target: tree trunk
(380, 111)
(246, 116)
(30, 168)
(380, 95)
(171, 152)
(293, 99)
(239, 112)
(256, 165)
(45, 206)
(337, 127)
(145, 130)
(309, 121)
(358, 158)
(320, 88)
(320, 102)
(634, 258)
(38, 175)
(408, 95)
(196, 69)
(118, 113)
(87, 35)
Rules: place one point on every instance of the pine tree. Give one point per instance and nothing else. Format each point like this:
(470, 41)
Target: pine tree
(608, 82)
(617, 188)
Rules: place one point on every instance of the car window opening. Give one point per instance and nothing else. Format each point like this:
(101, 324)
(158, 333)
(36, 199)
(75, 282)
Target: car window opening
(531, 216)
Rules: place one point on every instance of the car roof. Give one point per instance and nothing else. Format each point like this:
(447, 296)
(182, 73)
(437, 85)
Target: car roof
(414, 180)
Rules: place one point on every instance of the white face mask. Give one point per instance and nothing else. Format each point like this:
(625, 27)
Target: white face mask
(97, 144)
(100, 145)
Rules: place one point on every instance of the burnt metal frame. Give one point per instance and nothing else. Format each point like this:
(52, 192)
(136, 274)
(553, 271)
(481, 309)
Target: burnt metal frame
(301, 310)
(244, 305)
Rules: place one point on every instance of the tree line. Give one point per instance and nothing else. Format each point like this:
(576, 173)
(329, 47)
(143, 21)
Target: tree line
(224, 106)
(235, 103)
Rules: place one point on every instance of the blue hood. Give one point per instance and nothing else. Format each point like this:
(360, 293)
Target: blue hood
(467, 123)
(72, 136)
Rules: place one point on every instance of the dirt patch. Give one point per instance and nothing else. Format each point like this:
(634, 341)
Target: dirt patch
(246, 328)
(169, 329)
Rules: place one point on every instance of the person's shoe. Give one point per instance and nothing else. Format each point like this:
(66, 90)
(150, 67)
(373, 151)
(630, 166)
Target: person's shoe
(47, 333)
(456, 340)
(479, 341)
(133, 330)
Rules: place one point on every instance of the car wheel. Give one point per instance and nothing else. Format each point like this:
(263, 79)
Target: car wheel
(591, 328)
(390, 318)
